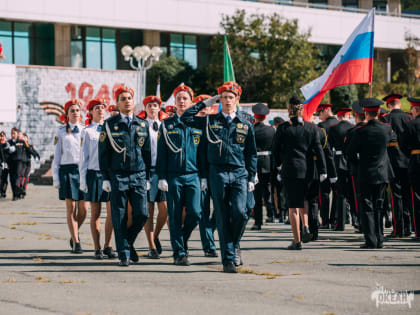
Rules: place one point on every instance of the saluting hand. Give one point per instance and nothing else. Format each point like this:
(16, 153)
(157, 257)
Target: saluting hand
(212, 100)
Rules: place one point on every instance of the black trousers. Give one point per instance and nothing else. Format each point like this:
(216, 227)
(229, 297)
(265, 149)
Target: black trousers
(325, 190)
(312, 197)
(415, 200)
(262, 193)
(3, 181)
(355, 184)
(344, 199)
(16, 170)
(372, 208)
(401, 202)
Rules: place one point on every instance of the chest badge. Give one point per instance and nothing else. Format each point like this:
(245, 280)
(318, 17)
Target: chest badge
(137, 129)
(102, 136)
(142, 125)
(55, 140)
(239, 125)
(141, 141)
(171, 127)
(115, 128)
(196, 140)
(246, 127)
(240, 139)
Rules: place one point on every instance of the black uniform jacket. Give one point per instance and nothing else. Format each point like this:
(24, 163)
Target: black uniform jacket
(410, 144)
(264, 139)
(336, 138)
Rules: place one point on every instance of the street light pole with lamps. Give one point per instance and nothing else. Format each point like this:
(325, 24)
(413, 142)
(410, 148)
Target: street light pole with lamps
(145, 58)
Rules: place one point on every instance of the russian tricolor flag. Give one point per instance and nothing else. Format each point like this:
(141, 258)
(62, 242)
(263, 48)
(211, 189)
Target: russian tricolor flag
(352, 65)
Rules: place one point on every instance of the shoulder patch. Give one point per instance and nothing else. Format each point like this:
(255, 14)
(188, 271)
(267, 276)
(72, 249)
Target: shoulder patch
(102, 136)
(55, 140)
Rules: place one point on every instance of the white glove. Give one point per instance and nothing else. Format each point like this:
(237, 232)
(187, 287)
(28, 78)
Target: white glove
(203, 184)
(163, 185)
(4, 165)
(147, 185)
(279, 168)
(12, 149)
(212, 100)
(256, 181)
(56, 184)
(106, 186)
(333, 180)
(322, 177)
(83, 187)
(251, 186)
(278, 178)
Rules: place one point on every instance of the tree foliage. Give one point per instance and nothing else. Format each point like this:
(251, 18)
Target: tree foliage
(272, 59)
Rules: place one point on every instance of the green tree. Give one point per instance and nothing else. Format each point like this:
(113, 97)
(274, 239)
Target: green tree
(272, 59)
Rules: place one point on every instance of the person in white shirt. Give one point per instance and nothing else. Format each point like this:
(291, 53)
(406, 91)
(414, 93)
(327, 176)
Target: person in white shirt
(91, 178)
(66, 170)
(153, 116)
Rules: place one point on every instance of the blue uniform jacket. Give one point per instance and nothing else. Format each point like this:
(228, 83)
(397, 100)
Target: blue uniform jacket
(135, 139)
(192, 157)
(238, 148)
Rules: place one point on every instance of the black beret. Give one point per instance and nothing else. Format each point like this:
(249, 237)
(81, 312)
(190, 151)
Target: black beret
(260, 109)
(370, 102)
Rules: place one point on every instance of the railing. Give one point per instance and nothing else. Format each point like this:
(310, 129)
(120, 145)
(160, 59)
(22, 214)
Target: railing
(333, 7)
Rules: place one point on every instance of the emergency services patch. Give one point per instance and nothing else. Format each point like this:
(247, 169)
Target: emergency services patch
(55, 140)
(102, 136)
(240, 138)
(239, 125)
(143, 125)
(141, 141)
(158, 137)
(246, 127)
(196, 140)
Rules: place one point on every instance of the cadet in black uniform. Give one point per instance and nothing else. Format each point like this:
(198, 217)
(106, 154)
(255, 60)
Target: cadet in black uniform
(292, 144)
(369, 143)
(410, 144)
(400, 186)
(327, 120)
(4, 170)
(16, 162)
(337, 134)
(263, 138)
(30, 152)
(125, 159)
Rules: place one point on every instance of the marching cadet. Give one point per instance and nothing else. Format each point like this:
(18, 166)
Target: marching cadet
(91, 178)
(263, 138)
(353, 166)
(30, 152)
(295, 142)
(65, 169)
(181, 170)
(16, 159)
(336, 137)
(232, 156)
(327, 120)
(410, 144)
(207, 222)
(124, 159)
(368, 147)
(400, 186)
(154, 116)
(4, 170)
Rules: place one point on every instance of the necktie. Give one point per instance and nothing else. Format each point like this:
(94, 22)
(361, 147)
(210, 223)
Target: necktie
(128, 121)
(155, 126)
(100, 128)
(229, 119)
(75, 129)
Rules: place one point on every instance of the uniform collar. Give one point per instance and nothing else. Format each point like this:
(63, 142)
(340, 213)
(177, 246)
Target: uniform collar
(123, 116)
(232, 115)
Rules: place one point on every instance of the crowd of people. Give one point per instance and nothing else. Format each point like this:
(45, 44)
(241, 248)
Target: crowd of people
(183, 157)
(15, 163)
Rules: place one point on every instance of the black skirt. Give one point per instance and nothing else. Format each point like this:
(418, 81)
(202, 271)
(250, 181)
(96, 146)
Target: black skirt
(94, 180)
(69, 182)
(295, 192)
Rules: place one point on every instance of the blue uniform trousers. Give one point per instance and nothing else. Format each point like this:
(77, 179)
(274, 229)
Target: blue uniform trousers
(184, 190)
(207, 225)
(228, 188)
(126, 188)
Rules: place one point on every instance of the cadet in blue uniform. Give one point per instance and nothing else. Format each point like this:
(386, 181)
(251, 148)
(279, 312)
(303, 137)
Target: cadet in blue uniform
(180, 166)
(124, 158)
(368, 146)
(263, 138)
(153, 116)
(232, 155)
(91, 178)
(65, 168)
(410, 144)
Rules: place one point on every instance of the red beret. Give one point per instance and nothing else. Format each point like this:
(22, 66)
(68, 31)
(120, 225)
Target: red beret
(122, 89)
(96, 101)
(112, 108)
(184, 88)
(201, 98)
(152, 99)
(230, 87)
(73, 101)
(170, 108)
(236, 85)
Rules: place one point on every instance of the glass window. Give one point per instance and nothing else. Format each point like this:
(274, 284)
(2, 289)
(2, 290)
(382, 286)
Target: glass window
(180, 46)
(77, 54)
(109, 56)
(5, 28)
(127, 37)
(6, 41)
(380, 5)
(93, 54)
(93, 33)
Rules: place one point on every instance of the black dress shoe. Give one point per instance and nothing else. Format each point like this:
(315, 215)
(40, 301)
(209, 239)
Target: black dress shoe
(124, 262)
(269, 220)
(153, 254)
(314, 237)
(109, 252)
(158, 245)
(388, 224)
(256, 227)
(210, 253)
(238, 258)
(98, 254)
(230, 268)
(181, 261)
(366, 246)
(77, 249)
(324, 227)
(380, 245)
(133, 254)
(306, 236)
(15, 198)
(295, 246)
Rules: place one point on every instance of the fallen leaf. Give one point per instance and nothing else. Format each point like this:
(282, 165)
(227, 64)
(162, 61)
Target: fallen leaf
(299, 297)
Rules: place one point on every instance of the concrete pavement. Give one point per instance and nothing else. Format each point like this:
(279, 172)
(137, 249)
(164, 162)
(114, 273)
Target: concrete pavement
(39, 275)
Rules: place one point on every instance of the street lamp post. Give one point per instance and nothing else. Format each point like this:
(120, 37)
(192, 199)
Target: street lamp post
(145, 58)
